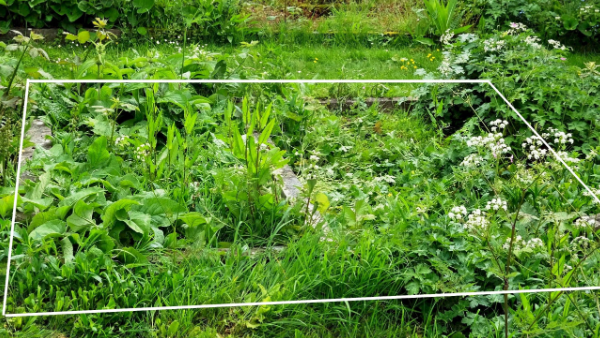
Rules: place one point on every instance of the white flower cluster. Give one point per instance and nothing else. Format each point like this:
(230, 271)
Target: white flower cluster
(591, 154)
(458, 213)
(386, 178)
(195, 187)
(580, 242)
(560, 138)
(496, 204)
(476, 220)
(498, 124)
(557, 45)
(472, 160)
(534, 145)
(588, 9)
(446, 38)
(493, 45)
(445, 68)
(142, 151)
(533, 41)
(463, 57)
(584, 222)
(565, 157)
(520, 244)
(121, 141)
(516, 27)
(493, 141)
(468, 37)
(219, 143)
(594, 190)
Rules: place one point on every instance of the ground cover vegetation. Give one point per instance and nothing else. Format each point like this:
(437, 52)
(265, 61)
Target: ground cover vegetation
(161, 194)
(345, 22)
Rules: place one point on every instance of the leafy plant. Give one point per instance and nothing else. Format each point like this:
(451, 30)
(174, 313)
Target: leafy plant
(443, 16)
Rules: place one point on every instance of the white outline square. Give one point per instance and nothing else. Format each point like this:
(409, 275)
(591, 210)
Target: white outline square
(307, 301)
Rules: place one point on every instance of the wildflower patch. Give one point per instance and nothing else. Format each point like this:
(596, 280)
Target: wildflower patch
(171, 182)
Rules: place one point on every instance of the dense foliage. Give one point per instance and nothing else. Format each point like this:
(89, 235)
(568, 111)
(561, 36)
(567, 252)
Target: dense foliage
(164, 194)
(218, 20)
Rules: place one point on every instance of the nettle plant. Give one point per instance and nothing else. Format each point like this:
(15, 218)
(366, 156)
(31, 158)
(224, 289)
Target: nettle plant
(98, 39)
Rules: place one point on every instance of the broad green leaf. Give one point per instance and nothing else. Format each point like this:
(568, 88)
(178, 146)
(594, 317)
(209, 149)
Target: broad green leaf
(139, 222)
(109, 215)
(81, 218)
(83, 36)
(98, 154)
(570, 22)
(7, 205)
(322, 202)
(79, 195)
(160, 206)
(51, 228)
(193, 219)
(40, 203)
(143, 6)
(173, 327)
(41, 218)
(131, 256)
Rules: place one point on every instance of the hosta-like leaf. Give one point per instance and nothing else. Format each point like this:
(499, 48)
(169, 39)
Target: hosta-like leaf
(109, 215)
(52, 228)
(81, 218)
(80, 195)
(98, 154)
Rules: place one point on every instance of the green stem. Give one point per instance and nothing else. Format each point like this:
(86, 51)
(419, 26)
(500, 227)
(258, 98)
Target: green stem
(14, 74)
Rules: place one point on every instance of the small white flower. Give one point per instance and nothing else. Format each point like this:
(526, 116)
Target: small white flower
(458, 213)
(142, 151)
(496, 204)
(476, 221)
(472, 160)
(121, 141)
(534, 144)
(584, 222)
(446, 38)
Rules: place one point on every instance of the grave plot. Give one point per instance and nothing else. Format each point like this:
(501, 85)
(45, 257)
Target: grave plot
(187, 194)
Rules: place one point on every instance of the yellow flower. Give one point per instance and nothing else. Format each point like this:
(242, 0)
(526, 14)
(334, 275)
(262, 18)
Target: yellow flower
(411, 60)
(415, 67)
(316, 58)
(100, 23)
(390, 194)
(315, 61)
(428, 55)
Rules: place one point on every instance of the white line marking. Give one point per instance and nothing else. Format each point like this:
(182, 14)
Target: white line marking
(14, 215)
(308, 301)
(256, 81)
